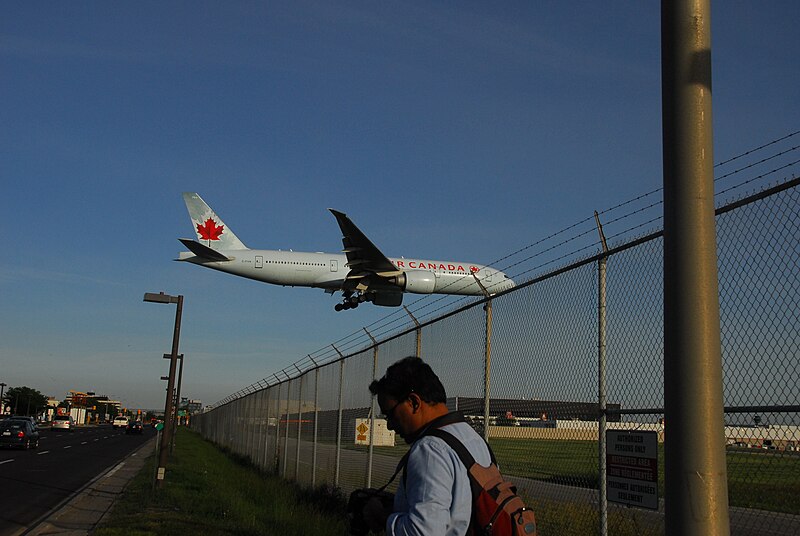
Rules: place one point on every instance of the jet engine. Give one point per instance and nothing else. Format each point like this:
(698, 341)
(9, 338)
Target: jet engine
(417, 281)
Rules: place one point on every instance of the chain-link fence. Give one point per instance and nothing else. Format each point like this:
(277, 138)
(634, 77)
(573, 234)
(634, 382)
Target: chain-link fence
(545, 369)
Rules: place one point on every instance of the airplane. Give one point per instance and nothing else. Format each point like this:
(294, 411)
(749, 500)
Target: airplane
(362, 274)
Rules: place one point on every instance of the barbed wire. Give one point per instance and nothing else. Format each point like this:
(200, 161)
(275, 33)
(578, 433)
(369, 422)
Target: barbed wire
(569, 246)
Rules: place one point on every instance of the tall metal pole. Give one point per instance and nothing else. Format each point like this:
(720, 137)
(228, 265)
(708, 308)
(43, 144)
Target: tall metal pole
(696, 490)
(166, 438)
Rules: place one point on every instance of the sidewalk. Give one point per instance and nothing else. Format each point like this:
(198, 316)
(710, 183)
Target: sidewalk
(80, 515)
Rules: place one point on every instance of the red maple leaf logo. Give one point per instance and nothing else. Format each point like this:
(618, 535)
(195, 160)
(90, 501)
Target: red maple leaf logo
(474, 269)
(209, 230)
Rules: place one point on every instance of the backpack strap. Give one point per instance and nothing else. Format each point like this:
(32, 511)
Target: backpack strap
(433, 429)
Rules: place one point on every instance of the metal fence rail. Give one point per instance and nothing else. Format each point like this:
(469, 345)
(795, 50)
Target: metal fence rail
(544, 369)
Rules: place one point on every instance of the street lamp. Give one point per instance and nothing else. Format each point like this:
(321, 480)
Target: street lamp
(173, 358)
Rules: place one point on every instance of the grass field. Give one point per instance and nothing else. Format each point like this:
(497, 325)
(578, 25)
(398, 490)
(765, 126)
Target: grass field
(762, 479)
(210, 493)
(767, 480)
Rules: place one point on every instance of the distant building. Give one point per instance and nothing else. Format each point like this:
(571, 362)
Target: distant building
(546, 410)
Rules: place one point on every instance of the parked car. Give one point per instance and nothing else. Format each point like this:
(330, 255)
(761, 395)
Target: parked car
(120, 422)
(62, 422)
(134, 427)
(18, 433)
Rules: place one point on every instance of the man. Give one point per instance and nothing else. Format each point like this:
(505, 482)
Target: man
(434, 497)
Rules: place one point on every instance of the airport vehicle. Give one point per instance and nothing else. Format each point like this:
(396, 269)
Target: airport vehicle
(62, 422)
(18, 433)
(119, 422)
(362, 274)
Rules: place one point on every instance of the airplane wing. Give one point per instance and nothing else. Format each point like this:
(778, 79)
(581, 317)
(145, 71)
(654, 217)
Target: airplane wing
(364, 259)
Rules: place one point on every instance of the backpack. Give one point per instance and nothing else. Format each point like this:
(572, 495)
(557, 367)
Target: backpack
(497, 510)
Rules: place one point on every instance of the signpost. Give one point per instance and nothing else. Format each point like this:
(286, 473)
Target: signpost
(632, 468)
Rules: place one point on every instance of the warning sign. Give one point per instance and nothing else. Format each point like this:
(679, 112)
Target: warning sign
(632, 468)
(361, 430)
(381, 436)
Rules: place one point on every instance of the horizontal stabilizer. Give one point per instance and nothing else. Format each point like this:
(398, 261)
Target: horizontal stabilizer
(204, 252)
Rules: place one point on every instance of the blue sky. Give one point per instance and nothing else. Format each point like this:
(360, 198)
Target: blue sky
(446, 130)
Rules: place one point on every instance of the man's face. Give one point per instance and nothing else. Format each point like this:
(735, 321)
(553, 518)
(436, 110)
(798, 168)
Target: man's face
(399, 416)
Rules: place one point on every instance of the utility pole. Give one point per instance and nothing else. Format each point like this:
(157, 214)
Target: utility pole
(696, 488)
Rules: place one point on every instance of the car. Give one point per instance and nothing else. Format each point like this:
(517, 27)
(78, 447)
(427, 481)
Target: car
(62, 422)
(134, 427)
(18, 433)
(120, 422)
(31, 420)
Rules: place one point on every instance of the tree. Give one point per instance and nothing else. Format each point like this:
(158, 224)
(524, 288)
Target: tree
(24, 400)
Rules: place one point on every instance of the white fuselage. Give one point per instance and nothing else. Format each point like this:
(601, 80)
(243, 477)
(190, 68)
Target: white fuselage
(328, 270)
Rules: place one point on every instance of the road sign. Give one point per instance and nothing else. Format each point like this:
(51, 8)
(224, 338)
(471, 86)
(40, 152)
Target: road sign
(632, 468)
(160, 426)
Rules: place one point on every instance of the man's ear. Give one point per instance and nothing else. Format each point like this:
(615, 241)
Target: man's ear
(415, 400)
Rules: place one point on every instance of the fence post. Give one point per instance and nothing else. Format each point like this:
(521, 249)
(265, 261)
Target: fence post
(299, 427)
(372, 409)
(286, 434)
(487, 358)
(339, 421)
(277, 456)
(418, 332)
(266, 429)
(316, 422)
(487, 374)
(601, 378)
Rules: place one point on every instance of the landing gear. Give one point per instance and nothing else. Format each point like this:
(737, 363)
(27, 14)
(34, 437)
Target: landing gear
(351, 301)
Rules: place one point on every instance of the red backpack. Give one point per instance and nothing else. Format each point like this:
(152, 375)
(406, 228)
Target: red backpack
(497, 510)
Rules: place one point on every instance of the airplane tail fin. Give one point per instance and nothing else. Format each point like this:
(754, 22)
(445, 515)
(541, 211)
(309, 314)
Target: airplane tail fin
(209, 229)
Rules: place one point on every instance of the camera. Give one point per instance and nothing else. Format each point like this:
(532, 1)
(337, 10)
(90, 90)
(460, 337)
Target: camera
(356, 524)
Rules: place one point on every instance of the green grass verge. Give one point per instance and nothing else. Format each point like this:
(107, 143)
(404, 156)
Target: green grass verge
(211, 493)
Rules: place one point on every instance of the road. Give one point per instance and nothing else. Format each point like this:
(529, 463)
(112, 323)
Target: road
(34, 482)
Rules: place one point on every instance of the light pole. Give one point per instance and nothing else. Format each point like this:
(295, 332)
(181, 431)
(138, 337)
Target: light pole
(2, 404)
(173, 358)
(175, 418)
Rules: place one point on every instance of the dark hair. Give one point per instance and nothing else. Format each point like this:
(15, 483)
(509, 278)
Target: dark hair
(410, 375)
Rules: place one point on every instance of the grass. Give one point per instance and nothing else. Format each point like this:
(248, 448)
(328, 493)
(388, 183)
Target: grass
(214, 492)
(211, 493)
(762, 479)
(767, 480)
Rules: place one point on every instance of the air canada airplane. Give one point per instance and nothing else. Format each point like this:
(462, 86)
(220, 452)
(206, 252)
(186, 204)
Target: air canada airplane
(362, 274)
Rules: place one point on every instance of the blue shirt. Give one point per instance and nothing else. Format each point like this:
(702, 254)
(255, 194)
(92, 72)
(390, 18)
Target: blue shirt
(436, 498)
